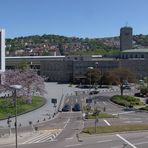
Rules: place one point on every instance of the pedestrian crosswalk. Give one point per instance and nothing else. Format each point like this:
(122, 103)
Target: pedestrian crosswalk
(42, 136)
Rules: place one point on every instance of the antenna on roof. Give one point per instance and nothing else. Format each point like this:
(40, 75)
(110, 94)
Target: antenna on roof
(126, 24)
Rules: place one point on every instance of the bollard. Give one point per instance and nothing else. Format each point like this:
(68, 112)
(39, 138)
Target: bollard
(124, 145)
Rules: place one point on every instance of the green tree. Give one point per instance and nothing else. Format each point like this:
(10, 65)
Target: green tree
(93, 76)
(22, 65)
(119, 76)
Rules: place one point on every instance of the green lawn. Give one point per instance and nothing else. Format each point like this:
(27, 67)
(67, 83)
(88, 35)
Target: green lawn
(126, 100)
(7, 106)
(115, 128)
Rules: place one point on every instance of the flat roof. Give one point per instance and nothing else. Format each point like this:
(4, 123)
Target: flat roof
(140, 50)
(35, 57)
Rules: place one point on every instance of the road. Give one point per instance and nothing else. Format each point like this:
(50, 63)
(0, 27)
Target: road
(64, 130)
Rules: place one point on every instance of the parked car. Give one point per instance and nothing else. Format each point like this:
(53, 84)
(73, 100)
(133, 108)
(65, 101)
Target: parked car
(126, 87)
(66, 108)
(146, 101)
(93, 92)
(76, 107)
(139, 94)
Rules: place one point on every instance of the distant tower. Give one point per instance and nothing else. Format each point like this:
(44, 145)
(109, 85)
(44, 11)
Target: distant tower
(2, 54)
(126, 38)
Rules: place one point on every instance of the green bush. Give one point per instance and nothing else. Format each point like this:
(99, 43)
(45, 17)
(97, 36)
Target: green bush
(144, 90)
(126, 100)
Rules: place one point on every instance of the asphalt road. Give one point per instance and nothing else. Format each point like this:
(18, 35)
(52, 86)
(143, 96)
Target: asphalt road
(64, 130)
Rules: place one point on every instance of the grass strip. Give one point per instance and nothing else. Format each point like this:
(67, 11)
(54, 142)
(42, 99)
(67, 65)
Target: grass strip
(7, 106)
(115, 128)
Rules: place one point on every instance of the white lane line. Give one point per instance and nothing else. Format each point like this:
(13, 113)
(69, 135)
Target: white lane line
(38, 138)
(70, 138)
(107, 122)
(73, 145)
(126, 141)
(127, 112)
(104, 141)
(67, 123)
(35, 137)
(104, 103)
(133, 121)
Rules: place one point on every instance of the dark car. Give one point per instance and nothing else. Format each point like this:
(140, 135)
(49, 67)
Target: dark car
(126, 87)
(139, 94)
(76, 107)
(93, 92)
(66, 108)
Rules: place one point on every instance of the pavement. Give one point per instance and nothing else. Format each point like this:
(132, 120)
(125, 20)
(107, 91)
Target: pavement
(54, 90)
(45, 113)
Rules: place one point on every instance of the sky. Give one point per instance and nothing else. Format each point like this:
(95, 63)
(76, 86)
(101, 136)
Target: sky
(73, 18)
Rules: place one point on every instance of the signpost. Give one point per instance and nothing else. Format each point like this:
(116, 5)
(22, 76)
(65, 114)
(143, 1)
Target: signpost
(54, 101)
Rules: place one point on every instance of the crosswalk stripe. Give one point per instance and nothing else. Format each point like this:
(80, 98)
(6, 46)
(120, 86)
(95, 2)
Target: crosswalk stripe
(44, 136)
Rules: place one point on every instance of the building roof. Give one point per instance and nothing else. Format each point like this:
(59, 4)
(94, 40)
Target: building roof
(141, 50)
(35, 57)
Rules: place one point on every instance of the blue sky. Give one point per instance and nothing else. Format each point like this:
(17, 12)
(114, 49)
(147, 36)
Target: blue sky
(80, 18)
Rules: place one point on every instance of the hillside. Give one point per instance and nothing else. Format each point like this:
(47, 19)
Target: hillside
(48, 44)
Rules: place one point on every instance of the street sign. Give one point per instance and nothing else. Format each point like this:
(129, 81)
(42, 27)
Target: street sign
(54, 100)
(88, 100)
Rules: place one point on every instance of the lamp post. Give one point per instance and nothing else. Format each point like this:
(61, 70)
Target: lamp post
(15, 88)
(90, 68)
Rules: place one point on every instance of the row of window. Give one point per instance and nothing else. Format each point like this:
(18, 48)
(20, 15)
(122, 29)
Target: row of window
(126, 56)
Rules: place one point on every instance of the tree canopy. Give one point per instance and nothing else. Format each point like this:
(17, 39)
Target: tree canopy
(31, 83)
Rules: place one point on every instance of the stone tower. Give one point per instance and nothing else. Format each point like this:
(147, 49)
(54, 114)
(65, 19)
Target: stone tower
(126, 38)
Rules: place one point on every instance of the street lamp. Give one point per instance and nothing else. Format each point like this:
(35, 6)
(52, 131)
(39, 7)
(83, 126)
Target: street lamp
(90, 68)
(15, 88)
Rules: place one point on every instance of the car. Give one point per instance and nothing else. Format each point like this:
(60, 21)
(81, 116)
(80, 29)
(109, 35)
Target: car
(76, 107)
(126, 87)
(93, 92)
(139, 94)
(66, 108)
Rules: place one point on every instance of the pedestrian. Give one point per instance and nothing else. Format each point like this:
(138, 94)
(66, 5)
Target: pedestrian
(104, 108)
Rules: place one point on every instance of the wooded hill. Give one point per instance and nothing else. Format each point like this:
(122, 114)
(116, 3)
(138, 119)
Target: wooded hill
(48, 44)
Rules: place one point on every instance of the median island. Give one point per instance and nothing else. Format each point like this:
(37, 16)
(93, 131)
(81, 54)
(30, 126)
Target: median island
(115, 128)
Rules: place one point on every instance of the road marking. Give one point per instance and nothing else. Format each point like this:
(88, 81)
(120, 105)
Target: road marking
(43, 136)
(70, 138)
(127, 112)
(107, 122)
(126, 141)
(73, 145)
(104, 141)
(133, 121)
(37, 138)
(104, 103)
(67, 122)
